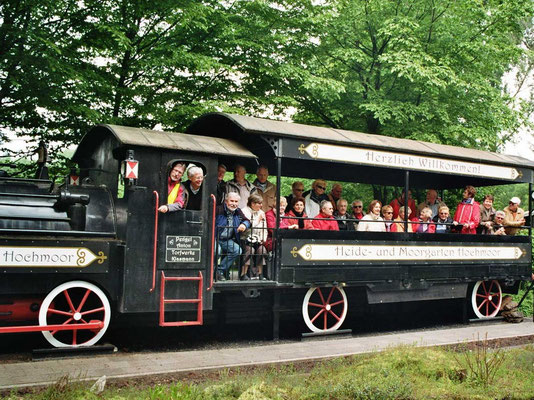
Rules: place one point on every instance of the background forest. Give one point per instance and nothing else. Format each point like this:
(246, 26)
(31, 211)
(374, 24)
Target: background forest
(420, 69)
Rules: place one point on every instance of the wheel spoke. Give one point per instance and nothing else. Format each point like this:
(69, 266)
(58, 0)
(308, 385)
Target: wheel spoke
(64, 323)
(491, 285)
(481, 304)
(484, 287)
(330, 294)
(93, 311)
(321, 294)
(69, 301)
(482, 295)
(495, 306)
(325, 326)
(85, 296)
(60, 312)
(337, 302)
(74, 336)
(316, 305)
(334, 315)
(316, 315)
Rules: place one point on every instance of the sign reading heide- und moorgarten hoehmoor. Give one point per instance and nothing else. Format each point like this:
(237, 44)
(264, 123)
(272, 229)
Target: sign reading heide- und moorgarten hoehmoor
(57, 257)
(334, 252)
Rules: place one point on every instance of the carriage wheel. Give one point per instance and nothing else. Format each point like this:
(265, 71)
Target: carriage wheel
(71, 303)
(324, 309)
(486, 299)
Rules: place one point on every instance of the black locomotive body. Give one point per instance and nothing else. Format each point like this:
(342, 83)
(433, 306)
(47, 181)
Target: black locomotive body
(73, 255)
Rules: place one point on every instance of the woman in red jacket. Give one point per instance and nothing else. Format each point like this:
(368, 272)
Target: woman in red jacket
(425, 224)
(298, 218)
(327, 222)
(467, 213)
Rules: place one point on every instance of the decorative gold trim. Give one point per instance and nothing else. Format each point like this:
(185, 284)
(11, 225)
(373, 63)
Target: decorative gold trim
(302, 149)
(294, 252)
(101, 257)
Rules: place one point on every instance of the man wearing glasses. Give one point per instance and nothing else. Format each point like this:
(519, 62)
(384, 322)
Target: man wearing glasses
(357, 211)
(315, 197)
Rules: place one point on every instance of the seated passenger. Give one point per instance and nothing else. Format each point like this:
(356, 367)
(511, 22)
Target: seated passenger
(270, 216)
(372, 221)
(357, 212)
(341, 216)
(327, 222)
(387, 214)
(315, 196)
(335, 195)
(255, 237)
(425, 224)
(487, 214)
(399, 221)
(497, 228)
(298, 218)
(176, 194)
(467, 215)
(194, 188)
(297, 188)
(229, 223)
(443, 220)
(514, 217)
(399, 201)
(221, 184)
(432, 201)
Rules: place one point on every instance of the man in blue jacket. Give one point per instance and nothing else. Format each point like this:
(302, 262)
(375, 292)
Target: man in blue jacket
(230, 222)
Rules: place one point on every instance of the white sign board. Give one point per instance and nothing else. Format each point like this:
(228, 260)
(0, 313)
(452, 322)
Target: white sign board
(55, 257)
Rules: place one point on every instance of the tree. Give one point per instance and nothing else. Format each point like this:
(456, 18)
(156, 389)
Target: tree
(422, 69)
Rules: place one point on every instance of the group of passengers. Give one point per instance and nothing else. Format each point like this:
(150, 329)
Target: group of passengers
(246, 213)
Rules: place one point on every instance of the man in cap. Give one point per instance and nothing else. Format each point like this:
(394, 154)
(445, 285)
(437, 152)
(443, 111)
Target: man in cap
(514, 217)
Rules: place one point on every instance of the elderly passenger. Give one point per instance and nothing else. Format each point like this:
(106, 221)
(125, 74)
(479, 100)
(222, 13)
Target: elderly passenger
(221, 184)
(372, 221)
(255, 238)
(297, 189)
(327, 222)
(240, 186)
(497, 228)
(335, 194)
(194, 188)
(399, 221)
(443, 220)
(176, 194)
(487, 214)
(425, 224)
(387, 214)
(514, 217)
(270, 216)
(314, 198)
(357, 212)
(398, 202)
(297, 216)
(229, 223)
(341, 216)
(467, 213)
(432, 201)
(265, 188)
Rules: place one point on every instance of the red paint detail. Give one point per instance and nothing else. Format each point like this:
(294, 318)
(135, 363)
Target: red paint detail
(131, 167)
(212, 251)
(323, 308)
(20, 310)
(74, 180)
(163, 300)
(61, 327)
(156, 216)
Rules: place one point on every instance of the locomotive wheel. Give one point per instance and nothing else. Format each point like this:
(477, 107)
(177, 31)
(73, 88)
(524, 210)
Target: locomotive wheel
(75, 302)
(486, 299)
(323, 314)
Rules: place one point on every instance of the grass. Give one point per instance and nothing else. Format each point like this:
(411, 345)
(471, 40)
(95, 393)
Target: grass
(398, 373)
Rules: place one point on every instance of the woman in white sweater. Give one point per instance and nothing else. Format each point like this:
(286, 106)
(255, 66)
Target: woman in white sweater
(255, 237)
(372, 221)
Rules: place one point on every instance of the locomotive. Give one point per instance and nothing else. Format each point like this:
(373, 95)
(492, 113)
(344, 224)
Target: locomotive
(75, 254)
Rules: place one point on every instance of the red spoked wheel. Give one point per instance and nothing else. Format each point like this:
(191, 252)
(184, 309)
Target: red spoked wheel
(486, 299)
(324, 309)
(74, 303)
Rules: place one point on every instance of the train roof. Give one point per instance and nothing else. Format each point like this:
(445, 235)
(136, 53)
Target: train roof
(128, 136)
(244, 125)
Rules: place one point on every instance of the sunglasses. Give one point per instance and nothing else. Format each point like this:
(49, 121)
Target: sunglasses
(357, 206)
(298, 190)
(388, 212)
(320, 187)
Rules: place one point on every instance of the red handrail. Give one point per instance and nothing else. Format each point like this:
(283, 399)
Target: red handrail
(214, 200)
(155, 242)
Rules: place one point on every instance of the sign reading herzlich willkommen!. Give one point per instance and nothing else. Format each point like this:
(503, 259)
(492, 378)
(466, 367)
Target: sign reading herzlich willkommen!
(77, 257)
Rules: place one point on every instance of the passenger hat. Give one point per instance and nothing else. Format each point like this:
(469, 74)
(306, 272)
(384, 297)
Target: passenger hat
(515, 200)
